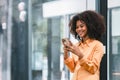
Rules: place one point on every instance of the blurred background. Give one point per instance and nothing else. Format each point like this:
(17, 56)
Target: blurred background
(31, 33)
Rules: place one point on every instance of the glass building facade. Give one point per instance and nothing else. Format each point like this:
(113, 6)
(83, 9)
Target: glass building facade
(113, 25)
(31, 33)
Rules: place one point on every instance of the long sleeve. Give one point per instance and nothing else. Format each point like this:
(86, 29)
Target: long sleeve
(92, 62)
(70, 63)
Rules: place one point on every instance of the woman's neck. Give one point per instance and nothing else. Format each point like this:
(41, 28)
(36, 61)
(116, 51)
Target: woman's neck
(84, 39)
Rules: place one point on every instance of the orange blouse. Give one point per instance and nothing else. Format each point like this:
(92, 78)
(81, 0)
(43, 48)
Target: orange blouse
(86, 68)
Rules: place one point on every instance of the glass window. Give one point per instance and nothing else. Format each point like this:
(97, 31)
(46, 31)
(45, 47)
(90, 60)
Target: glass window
(115, 55)
(114, 47)
(5, 40)
(39, 43)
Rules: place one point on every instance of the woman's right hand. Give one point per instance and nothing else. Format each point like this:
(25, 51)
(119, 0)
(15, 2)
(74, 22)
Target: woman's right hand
(66, 43)
(65, 52)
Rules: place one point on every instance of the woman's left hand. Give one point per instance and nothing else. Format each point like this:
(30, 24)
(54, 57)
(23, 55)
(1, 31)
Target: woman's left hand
(75, 50)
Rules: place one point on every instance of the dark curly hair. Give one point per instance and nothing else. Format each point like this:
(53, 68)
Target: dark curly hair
(94, 22)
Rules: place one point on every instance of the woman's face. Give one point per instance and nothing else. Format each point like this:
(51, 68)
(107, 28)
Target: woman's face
(81, 29)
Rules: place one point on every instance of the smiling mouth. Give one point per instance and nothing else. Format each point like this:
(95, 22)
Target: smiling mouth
(80, 33)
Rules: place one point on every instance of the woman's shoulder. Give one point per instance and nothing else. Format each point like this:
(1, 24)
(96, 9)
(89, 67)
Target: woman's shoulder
(98, 43)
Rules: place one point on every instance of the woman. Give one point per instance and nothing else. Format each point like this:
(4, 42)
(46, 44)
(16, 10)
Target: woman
(84, 62)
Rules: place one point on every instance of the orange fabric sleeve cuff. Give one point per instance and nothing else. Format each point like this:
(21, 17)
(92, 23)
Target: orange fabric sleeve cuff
(81, 61)
(66, 61)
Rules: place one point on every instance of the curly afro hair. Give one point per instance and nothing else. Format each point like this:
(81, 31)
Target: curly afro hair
(94, 22)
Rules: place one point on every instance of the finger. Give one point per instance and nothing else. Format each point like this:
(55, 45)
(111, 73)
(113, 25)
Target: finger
(70, 43)
(69, 49)
(65, 48)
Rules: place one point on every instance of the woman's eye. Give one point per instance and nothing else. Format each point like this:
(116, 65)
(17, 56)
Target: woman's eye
(77, 26)
(81, 25)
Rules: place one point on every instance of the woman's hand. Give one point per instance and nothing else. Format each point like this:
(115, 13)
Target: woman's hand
(65, 52)
(68, 46)
(75, 50)
(66, 42)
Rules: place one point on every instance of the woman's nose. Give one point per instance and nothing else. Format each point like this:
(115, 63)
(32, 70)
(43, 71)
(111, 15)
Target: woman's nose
(79, 28)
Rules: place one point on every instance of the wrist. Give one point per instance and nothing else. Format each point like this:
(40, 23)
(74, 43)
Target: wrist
(65, 55)
(65, 58)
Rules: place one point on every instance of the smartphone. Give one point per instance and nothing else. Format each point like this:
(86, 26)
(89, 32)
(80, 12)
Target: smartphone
(66, 41)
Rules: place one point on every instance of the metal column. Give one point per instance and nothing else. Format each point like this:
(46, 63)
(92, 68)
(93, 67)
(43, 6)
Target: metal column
(101, 7)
